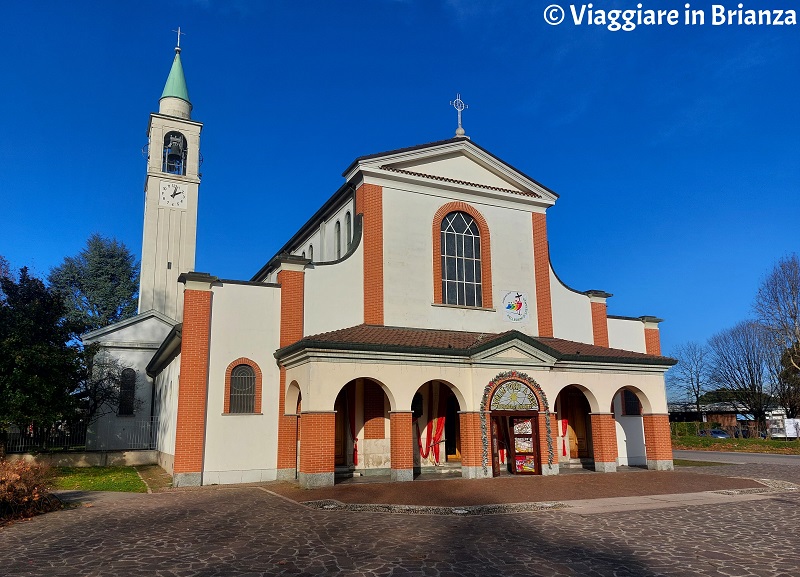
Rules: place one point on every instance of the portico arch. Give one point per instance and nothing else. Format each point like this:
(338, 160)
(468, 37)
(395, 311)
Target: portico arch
(627, 406)
(574, 405)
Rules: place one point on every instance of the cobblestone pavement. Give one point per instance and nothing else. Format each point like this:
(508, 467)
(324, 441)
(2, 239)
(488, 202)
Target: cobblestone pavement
(249, 531)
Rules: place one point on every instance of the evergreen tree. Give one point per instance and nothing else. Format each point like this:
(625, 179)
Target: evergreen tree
(39, 370)
(100, 284)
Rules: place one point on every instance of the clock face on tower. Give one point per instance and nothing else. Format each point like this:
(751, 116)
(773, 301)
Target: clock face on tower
(172, 194)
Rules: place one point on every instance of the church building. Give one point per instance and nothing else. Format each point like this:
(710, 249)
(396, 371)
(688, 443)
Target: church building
(414, 323)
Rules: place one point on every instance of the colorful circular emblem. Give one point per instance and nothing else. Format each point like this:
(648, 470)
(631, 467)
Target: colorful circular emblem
(515, 306)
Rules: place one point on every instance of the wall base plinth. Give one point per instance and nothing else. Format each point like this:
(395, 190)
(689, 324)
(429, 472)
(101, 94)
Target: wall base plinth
(187, 479)
(602, 467)
(287, 474)
(475, 472)
(402, 475)
(550, 469)
(314, 480)
(658, 465)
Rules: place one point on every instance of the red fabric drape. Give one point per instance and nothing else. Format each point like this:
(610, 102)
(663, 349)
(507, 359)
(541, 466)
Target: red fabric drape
(564, 437)
(437, 438)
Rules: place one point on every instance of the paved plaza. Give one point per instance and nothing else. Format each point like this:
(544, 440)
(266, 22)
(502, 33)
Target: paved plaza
(253, 531)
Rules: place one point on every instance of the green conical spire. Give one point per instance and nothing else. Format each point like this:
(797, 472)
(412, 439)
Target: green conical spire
(176, 81)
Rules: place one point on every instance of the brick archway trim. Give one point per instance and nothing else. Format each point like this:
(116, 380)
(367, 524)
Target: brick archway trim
(486, 252)
(229, 370)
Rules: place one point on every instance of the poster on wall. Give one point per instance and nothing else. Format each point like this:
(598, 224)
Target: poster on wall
(514, 306)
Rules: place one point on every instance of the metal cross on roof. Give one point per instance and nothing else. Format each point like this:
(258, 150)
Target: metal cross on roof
(178, 31)
(459, 105)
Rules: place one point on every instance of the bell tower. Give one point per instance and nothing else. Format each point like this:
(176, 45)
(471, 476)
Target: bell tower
(171, 195)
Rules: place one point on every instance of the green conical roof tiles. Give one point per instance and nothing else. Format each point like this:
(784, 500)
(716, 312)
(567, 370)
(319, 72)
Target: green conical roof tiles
(176, 81)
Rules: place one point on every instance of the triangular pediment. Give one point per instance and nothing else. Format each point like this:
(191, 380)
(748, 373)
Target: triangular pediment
(146, 329)
(457, 164)
(515, 352)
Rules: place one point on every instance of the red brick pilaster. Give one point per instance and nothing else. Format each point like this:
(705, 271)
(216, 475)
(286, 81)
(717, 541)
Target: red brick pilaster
(658, 441)
(652, 341)
(287, 433)
(292, 281)
(472, 446)
(191, 418)
(604, 440)
(369, 203)
(652, 337)
(597, 300)
(541, 264)
(317, 449)
(402, 446)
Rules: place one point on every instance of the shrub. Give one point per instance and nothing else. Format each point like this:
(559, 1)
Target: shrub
(24, 490)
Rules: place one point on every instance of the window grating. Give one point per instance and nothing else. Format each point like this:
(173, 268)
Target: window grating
(243, 389)
(461, 261)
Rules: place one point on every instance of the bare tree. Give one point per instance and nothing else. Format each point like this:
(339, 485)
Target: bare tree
(692, 375)
(777, 306)
(741, 358)
(786, 387)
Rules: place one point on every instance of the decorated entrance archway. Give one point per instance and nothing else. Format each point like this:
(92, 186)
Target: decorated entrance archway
(514, 423)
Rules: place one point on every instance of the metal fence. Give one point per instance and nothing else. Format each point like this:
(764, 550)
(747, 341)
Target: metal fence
(747, 429)
(106, 434)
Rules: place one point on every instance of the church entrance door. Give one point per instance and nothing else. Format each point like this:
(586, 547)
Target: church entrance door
(515, 429)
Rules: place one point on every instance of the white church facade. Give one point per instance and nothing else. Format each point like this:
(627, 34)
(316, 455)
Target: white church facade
(415, 321)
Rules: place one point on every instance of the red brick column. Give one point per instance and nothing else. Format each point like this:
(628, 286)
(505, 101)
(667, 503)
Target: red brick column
(287, 434)
(472, 466)
(652, 337)
(599, 317)
(292, 281)
(541, 264)
(191, 418)
(604, 440)
(317, 449)
(658, 442)
(652, 341)
(402, 446)
(369, 203)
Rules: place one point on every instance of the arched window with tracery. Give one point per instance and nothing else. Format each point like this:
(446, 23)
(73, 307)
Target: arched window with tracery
(461, 260)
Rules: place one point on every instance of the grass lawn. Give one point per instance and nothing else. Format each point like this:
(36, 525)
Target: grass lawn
(772, 446)
(124, 479)
(690, 463)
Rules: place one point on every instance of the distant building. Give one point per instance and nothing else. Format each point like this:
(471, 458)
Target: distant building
(414, 321)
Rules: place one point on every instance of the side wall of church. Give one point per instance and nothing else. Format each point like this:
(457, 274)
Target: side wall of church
(334, 295)
(242, 447)
(627, 334)
(572, 315)
(165, 407)
(112, 431)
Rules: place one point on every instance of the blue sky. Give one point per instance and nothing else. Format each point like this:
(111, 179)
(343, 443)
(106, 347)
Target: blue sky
(675, 149)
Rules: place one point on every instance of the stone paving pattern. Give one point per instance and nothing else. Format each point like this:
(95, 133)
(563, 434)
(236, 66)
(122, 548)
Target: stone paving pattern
(247, 531)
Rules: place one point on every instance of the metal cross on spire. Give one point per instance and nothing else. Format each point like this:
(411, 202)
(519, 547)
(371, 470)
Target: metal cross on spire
(459, 105)
(179, 33)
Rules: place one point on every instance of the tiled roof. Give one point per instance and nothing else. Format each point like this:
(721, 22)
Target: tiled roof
(460, 343)
(463, 182)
